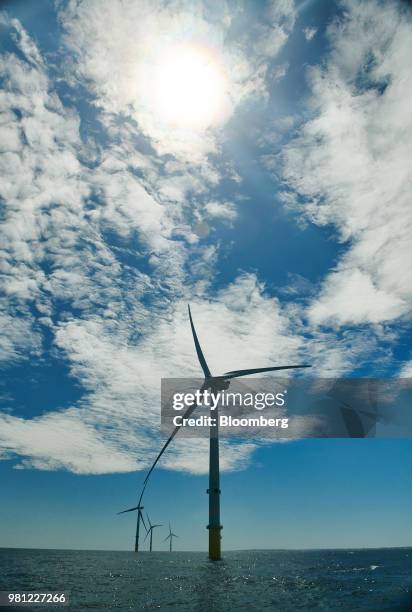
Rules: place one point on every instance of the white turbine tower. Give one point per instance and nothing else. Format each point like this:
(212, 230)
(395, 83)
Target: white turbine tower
(150, 531)
(170, 537)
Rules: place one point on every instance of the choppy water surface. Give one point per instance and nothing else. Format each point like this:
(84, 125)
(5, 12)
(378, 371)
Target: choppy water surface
(244, 580)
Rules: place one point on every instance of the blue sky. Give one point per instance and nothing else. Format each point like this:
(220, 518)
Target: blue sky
(283, 218)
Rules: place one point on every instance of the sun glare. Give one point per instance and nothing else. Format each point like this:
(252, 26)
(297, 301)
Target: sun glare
(188, 88)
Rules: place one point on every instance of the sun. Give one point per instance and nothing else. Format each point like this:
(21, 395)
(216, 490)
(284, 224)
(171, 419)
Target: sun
(188, 88)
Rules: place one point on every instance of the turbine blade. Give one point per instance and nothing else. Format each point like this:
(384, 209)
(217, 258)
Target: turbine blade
(166, 538)
(356, 428)
(160, 525)
(142, 517)
(237, 373)
(353, 423)
(199, 352)
(166, 444)
(147, 533)
(129, 510)
(148, 520)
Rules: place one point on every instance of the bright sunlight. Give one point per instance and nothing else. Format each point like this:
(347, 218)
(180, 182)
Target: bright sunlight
(188, 88)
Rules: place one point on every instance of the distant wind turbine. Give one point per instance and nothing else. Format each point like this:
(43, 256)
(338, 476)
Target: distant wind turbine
(139, 509)
(170, 537)
(214, 383)
(150, 530)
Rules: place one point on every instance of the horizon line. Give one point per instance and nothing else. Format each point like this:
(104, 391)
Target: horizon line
(326, 548)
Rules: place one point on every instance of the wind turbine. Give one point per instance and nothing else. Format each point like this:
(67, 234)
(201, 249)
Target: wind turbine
(150, 530)
(214, 383)
(139, 509)
(170, 537)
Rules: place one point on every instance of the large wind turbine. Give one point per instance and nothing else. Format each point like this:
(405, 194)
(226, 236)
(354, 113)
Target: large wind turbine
(150, 530)
(214, 383)
(170, 537)
(139, 509)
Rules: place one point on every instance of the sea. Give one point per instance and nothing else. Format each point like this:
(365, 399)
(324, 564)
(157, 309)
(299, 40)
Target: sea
(352, 580)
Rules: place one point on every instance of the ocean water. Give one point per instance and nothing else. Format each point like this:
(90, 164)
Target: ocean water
(379, 579)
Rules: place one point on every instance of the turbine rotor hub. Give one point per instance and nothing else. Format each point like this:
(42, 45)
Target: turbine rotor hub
(218, 383)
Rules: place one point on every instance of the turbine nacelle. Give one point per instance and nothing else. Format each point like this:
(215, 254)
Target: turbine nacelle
(139, 507)
(216, 383)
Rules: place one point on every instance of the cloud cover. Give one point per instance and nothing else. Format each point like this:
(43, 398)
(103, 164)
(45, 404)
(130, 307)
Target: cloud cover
(115, 325)
(351, 164)
(99, 237)
(140, 31)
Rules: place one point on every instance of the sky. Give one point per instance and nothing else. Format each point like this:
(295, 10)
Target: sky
(252, 159)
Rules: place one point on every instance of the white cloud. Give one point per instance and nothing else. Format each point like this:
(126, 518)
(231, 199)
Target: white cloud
(116, 346)
(282, 12)
(58, 207)
(114, 426)
(54, 251)
(130, 325)
(60, 441)
(19, 338)
(140, 32)
(221, 210)
(309, 33)
(350, 295)
(351, 161)
(406, 370)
